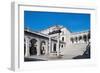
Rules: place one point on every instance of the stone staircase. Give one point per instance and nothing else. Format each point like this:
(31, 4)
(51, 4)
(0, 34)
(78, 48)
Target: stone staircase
(74, 49)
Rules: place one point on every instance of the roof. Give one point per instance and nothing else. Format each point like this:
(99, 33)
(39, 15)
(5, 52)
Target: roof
(37, 33)
(41, 34)
(86, 31)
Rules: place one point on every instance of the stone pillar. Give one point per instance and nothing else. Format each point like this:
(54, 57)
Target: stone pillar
(46, 48)
(78, 40)
(27, 47)
(87, 38)
(52, 45)
(38, 47)
(49, 44)
(82, 39)
(74, 40)
(58, 42)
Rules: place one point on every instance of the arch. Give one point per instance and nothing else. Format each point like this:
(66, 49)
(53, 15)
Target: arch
(84, 38)
(72, 39)
(33, 47)
(80, 38)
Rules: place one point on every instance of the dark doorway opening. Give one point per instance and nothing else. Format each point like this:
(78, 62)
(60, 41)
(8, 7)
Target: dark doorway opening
(54, 48)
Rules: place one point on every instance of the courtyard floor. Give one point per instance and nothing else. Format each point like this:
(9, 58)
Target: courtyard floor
(47, 57)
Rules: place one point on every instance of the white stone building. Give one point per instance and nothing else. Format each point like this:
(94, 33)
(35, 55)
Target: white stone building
(56, 40)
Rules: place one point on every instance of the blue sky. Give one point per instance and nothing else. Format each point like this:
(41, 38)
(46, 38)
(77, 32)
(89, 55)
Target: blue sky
(74, 22)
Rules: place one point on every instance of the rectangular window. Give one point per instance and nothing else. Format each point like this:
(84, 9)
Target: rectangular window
(62, 38)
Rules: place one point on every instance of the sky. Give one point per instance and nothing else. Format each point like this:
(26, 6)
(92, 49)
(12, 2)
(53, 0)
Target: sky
(74, 22)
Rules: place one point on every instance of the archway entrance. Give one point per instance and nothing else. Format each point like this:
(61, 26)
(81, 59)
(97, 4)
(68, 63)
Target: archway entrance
(85, 38)
(42, 47)
(33, 47)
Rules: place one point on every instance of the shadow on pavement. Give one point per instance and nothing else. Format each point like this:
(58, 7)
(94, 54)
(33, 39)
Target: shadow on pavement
(32, 59)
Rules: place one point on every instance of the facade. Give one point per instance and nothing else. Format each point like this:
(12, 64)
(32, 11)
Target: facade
(55, 41)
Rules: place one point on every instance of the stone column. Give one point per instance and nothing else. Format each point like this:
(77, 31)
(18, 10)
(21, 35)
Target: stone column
(58, 42)
(49, 44)
(38, 47)
(52, 45)
(82, 39)
(78, 40)
(46, 48)
(87, 38)
(27, 47)
(74, 41)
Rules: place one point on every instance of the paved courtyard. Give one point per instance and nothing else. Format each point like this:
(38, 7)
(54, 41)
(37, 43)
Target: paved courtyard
(48, 57)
